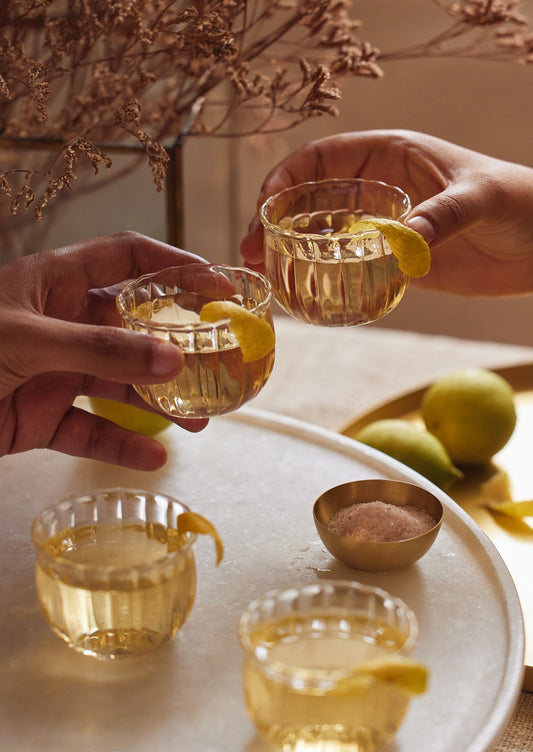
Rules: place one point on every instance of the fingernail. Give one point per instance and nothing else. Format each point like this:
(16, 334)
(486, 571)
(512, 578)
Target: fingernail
(165, 359)
(424, 227)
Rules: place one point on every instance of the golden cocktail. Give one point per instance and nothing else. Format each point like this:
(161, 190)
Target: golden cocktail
(325, 269)
(218, 376)
(114, 575)
(305, 652)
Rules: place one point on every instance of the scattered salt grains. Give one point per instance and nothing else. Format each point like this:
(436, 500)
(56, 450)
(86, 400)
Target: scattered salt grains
(379, 522)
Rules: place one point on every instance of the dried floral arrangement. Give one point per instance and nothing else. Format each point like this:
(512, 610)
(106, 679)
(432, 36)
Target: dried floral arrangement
(81, 78)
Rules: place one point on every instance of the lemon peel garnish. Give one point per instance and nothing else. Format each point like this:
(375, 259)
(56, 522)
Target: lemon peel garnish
(254, 335)
(497, 490)
(498, 487)
(404, 673)
(516, 509)
(364, 227)
(409, 247)
(191, 522)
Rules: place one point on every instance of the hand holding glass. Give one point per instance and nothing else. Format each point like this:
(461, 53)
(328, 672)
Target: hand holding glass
(215, 379)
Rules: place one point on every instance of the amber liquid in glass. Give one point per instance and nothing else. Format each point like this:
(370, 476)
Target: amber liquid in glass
(357, 279)
(214, 379)
(308, 707)
(127, 611)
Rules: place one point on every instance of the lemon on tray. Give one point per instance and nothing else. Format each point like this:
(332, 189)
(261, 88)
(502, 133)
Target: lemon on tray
(413, 446)
(472, 413)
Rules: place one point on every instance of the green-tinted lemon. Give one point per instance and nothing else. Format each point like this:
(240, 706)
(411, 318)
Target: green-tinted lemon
(415, 447)
(128, 416)
(472, 412)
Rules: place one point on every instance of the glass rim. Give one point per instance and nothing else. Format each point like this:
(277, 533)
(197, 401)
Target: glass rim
(40, 543)
(268, 225)
(284, 670)
(201, 326)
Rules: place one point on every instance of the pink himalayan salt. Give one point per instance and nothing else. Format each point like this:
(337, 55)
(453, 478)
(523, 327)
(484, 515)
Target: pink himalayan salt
(379, 522)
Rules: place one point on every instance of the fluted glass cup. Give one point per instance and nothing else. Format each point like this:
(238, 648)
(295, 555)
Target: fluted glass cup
(323, 270)
(215, 378)
(301, 649)
(114, 577)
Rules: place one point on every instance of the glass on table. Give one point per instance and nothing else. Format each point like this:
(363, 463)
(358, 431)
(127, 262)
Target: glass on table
(305, 652)
(324, 269)
(114, 574)
(219, 374)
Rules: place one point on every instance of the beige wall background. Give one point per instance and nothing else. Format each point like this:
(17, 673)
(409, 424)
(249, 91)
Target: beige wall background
(486, 106)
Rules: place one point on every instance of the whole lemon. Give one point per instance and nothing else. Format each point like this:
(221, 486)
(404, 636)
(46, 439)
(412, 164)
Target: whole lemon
(128, 416)
(415, 447)
(472, 412)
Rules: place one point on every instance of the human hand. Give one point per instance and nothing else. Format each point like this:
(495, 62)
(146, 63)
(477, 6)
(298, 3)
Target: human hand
(475, 211)
(61, 337)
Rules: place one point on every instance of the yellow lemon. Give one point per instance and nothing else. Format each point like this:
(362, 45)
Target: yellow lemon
(128, 416)
(409, 247)
(472, 412)
(254, 335)
(400, 671)
(191, 522)
(415, 447)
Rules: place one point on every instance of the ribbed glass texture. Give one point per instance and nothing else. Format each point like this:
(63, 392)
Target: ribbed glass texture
(306, 677)
(215, 379)
(113, 575)
(323, 269)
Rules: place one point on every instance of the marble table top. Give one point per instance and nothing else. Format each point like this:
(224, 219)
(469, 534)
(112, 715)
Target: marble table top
(331, 376)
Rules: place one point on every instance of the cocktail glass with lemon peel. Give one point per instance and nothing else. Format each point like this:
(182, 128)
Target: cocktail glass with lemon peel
(115, 570)
(221, 318)
(327, 665)
(337, 252)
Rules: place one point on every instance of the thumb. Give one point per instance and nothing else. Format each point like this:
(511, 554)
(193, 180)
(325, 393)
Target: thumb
(447, 214)
(251, 246)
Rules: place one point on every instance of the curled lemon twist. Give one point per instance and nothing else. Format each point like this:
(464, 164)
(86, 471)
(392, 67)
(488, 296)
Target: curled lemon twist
(254, 335)
(409, 247)
(191, 522)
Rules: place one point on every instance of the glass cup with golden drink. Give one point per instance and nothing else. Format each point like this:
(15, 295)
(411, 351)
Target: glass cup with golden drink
(223, 366)
(314, 665)
(326, 267)
(114, 575)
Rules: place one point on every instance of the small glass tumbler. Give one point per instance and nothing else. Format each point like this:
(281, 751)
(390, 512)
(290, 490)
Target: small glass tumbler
(302, 647)
(323, 270)
(114, 577)
(214, 379)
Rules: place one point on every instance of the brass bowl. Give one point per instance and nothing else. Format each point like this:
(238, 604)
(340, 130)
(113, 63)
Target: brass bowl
(376, 557)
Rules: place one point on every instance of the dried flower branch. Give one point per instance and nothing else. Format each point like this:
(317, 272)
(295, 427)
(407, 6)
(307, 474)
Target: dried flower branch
(79, 74)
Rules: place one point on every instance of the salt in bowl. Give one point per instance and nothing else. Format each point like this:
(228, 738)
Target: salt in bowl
(374, 556)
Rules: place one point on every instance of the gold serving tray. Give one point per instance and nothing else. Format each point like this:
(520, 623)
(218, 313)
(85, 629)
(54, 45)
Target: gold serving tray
(512, 538)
